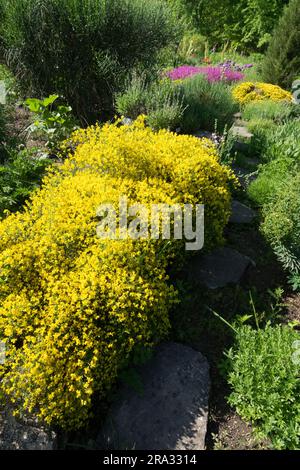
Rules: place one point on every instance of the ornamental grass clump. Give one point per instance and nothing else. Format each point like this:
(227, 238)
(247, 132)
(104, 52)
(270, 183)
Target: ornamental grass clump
(74, 306)
(246, 92)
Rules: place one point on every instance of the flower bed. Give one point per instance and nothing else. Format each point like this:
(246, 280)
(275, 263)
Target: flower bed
(213, 74)
(73, 306)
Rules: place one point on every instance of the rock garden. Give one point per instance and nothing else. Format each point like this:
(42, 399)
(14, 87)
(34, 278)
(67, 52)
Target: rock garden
(120, 335)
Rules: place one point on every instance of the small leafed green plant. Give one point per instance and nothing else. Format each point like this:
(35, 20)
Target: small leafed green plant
(54, 121)
(19, 176)
(263, 370)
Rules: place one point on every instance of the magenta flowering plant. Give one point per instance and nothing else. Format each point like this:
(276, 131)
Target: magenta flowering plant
(213, 74)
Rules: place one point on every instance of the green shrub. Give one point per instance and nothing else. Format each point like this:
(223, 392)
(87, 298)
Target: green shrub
(282, 62)
(133, 101)
(53, 121)
(19, 176)
(262, 130)
(276, 111)
(281, 225)
(83, 49)
(205, 104)
(264, 377)
(282, 157)
(246, 24)
(159, 100)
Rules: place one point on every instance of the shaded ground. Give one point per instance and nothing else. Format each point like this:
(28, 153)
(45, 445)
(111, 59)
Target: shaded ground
(195, 324)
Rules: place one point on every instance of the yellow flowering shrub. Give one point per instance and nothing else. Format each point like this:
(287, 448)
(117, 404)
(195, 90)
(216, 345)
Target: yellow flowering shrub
(73, 306)
(246, 92)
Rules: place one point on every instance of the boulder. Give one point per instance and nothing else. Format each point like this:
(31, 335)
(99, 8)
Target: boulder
(16, 434)
(217, 269)
(241, 214)
(170, 413)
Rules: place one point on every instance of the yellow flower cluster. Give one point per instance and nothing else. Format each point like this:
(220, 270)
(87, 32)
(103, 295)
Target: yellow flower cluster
(248, 91)
(73, 306)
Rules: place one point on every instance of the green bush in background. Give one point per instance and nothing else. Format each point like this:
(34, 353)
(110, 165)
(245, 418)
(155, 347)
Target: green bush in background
(282, 62)
(246, 24)
(83, 49)
(192, 44)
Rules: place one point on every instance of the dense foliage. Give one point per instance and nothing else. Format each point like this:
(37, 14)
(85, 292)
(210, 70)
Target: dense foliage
(248, 91)
(281, 65)
(19, 176)
(159, 100)
(265, 382)
(83, 49)
(276, 190)
(246, 24)
(282, 226)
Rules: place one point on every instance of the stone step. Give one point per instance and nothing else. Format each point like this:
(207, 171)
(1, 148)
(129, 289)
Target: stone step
(241, 214)
(172, 411)
(219, 268)
(241, 132)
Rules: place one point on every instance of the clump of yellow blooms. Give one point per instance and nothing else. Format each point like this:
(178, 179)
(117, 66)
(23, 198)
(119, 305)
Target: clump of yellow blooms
(73, 306)
(246, 92)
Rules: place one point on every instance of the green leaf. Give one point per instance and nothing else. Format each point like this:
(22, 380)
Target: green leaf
(50, 100)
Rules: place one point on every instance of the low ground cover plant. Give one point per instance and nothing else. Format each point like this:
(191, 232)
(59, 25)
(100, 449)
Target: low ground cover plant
(73, 306)
(282, 157)
(276, 111)
(263, 372)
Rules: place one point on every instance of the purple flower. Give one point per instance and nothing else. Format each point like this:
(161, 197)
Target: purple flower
(213, 74)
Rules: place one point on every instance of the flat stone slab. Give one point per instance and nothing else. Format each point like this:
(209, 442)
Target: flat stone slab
(171, 413)
(241, 214)
(221, 267)
(24, 435)
(241, 132)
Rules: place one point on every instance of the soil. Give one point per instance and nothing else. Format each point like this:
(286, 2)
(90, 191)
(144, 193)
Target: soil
(293, 309)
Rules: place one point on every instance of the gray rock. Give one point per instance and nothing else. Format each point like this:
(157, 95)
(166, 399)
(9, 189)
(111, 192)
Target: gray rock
(204, 134)
(18, 434)
(241, 214)
(127, 121)
(217, 269)
(241, 132)
(171, 413)
(244, 176)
